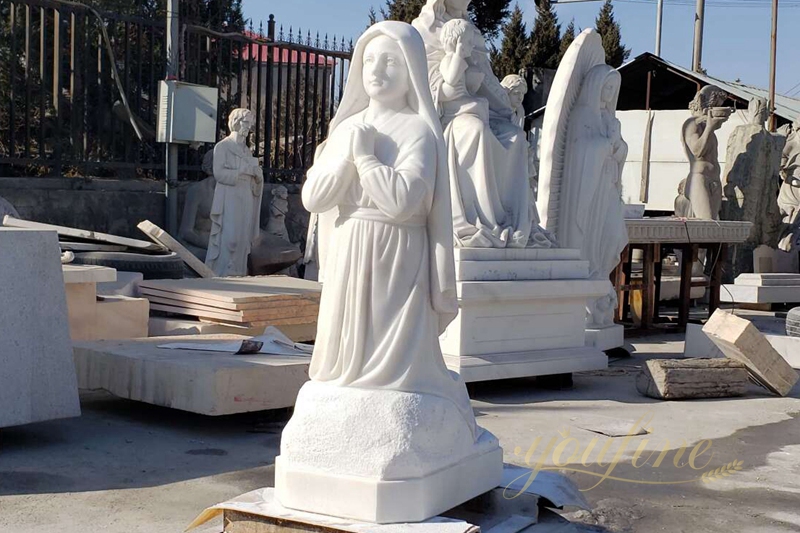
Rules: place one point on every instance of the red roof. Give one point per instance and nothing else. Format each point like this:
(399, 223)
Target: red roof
(284, 55)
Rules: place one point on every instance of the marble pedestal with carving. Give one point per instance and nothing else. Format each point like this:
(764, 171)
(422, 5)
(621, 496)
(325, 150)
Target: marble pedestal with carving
(522, 312)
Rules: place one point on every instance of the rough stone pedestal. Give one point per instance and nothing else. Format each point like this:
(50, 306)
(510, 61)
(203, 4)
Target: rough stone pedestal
(37, 376)
(381, 456)
(522, 312)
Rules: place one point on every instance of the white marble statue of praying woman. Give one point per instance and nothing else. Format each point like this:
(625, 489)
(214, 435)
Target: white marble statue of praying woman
(592, 209)
(380, 188)
(237, 199)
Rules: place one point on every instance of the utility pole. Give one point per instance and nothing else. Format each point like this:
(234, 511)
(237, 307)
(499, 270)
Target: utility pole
(171, 166)
(659, 13)
(697, 52)
(772, 64)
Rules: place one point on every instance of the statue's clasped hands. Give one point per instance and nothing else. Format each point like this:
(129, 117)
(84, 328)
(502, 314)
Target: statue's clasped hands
(363, 141)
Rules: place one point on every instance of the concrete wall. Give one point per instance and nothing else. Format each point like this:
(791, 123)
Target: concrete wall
(110, 206)
(668, 162)
(116, 206)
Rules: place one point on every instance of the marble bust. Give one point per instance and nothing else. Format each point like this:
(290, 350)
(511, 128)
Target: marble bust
(517, 87)
(487, 149)
(583, 153)
(237, 199)
(384, 432)
(703, 188)
(789, 196)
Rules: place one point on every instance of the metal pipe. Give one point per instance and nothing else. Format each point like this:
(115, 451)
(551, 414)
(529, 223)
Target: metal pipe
(659, 14)
(697, 52)
(171, 163)
(772, 63)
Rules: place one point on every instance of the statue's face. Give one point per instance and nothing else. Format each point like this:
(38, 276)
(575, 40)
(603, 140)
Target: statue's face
(246, 124)
(457, 7)
(608, 92)
(517, 95)
(385, 74)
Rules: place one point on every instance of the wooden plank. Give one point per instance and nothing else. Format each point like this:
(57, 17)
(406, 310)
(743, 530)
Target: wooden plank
(12, 222)
(292, 311)
(739, 340)
(234, 317)
(268, 302)
(159, 236)
(675, 379)
(685, 292)
(236, 290)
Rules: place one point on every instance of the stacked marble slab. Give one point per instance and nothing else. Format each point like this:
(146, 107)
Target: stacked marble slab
(763, 289)
(522, 312)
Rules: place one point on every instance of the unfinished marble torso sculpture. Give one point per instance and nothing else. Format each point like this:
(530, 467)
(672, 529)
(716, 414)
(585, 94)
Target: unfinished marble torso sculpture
(582, 157)
(789, 197)
(381, 409)
(237, 199)
(487, 150)
(751, 184)
(195, 229)
(703, 188)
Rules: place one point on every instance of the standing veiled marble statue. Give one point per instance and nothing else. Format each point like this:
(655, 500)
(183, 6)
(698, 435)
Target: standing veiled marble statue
(237, 199)
(487, 151)
(580, 189)
(383, 432)
(703, 187)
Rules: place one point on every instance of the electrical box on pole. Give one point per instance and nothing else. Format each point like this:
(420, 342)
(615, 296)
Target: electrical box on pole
(187, 113)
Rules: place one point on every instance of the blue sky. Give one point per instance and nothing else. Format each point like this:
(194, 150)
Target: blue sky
(736, 41)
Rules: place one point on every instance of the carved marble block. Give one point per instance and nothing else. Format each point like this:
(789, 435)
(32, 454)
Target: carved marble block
(237, 199)
(751, 184)
(384, 432)
(582, 155)
(789, 197)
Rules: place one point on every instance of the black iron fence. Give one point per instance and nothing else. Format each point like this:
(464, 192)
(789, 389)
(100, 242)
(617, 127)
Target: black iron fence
(61, 112)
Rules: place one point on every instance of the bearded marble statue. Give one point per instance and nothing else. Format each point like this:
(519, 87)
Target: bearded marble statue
(237, 199)
(703, 187)
(580, 187)
(384, 432)
(487, 150)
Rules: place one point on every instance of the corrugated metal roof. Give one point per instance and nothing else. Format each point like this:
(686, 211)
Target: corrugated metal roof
(786, 107)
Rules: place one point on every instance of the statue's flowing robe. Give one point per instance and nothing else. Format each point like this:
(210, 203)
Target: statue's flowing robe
(591, 214)
(235, 210)
(377, 324)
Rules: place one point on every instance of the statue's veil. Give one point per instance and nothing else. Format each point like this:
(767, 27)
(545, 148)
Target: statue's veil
(440, 222)
(585, 52)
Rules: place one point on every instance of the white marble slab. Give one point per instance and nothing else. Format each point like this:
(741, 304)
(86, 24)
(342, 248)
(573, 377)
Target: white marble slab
(606, 338)
(768, 280)
(520, 270)
(755, 294)
(516, 254)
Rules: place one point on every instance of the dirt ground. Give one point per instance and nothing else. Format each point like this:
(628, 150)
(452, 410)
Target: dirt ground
(126, 467)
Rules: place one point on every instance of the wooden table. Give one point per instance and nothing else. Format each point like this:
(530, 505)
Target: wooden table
(655, 237)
